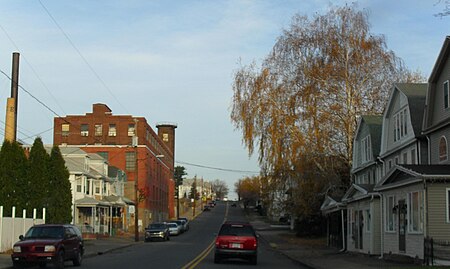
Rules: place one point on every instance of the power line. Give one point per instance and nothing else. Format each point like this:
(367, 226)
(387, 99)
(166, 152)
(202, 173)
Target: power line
(217, 168)
(81, 55)
(32, 68)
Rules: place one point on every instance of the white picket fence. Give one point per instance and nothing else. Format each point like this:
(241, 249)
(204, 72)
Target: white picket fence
(12, 227)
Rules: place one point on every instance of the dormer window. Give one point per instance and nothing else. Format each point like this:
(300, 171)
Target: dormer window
(446, 101)
(365, 149)
(442, 149)
(400, 126)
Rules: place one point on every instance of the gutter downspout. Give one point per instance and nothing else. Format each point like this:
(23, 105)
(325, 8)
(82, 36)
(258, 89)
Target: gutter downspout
(429, 150)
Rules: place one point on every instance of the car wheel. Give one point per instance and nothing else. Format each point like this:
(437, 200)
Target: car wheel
(17, 265)
(59, 260)
(254, 260)
(216, 258)
(77, 260)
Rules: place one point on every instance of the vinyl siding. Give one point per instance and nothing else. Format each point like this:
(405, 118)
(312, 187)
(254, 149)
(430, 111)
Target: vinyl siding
(437, 216)
(375, 247)
(434, 145)
(414, 241)
(372, 239)
(439, 112)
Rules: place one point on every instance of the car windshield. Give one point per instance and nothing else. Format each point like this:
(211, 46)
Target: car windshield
(172, 225)
(237, 230)
(45, 232)
(157, 226)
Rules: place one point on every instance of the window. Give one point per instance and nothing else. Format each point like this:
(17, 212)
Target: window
(351, 222)
(413, 156)
(79, 186)
(415, 212)
(65, 128)
(131, 130)
(405, 157)
(446, 101)
(130, 161)
(112, 130)
(390, 216)
(84, 130)
(366, 150)
(400, 124)
(448, 204)
(368, 220)
(98, 130)
(443, 149)
(97, 187)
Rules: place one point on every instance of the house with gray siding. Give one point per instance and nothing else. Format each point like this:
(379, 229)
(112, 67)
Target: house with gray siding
(363, 204)
(416, 194)
(436, 127)
(402, 143)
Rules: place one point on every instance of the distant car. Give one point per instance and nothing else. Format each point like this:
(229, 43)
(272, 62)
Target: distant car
(174, 228)
(236, 240)
(49, 244)
(157, 231)
(233, 205)
(206, 208)
(186, 224)
(182, 223)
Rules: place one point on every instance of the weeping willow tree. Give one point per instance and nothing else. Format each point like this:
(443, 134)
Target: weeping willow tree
(300, 107)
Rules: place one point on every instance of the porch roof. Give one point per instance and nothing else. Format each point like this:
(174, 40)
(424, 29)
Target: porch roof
(114, 200)
(89, 201)
(403, 175)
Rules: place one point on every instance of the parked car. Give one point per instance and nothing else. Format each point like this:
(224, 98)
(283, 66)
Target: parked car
(182, 223)
(157, 231)
(206, 208)
(49, 243)
(236, 240)
(174, 228)
(186, 224)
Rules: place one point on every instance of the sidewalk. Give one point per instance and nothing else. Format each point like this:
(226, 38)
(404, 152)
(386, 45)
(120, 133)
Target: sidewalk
(314, 253)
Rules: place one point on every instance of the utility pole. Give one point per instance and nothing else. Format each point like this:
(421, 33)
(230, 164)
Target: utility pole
(136, 185)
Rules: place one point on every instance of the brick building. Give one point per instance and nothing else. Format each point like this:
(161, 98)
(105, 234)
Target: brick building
(130, 144)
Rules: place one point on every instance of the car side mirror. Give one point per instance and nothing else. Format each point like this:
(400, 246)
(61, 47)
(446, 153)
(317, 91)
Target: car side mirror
(21, 237)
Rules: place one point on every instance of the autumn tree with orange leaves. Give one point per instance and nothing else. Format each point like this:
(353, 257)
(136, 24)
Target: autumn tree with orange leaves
(299, 109)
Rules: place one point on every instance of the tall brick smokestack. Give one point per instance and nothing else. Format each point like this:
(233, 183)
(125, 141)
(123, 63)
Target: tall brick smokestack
(12, 102)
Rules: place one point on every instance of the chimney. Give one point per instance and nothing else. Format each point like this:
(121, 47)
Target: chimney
(12, 102)
(166, 131)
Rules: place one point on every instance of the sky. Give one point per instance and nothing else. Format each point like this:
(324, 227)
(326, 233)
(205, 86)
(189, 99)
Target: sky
(173, 61)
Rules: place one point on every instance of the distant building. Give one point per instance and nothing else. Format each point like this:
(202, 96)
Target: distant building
(131, 145)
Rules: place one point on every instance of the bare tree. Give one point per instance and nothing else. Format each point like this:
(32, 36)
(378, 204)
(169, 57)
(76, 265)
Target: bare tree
(220, 188)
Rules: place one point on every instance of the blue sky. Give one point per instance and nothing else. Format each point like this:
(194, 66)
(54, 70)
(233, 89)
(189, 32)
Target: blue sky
(173, 61)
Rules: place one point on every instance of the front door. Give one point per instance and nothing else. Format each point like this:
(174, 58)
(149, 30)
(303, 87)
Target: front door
(401, 225)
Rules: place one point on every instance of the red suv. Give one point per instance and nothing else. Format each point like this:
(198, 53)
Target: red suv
(236, 240)
(49, 243)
